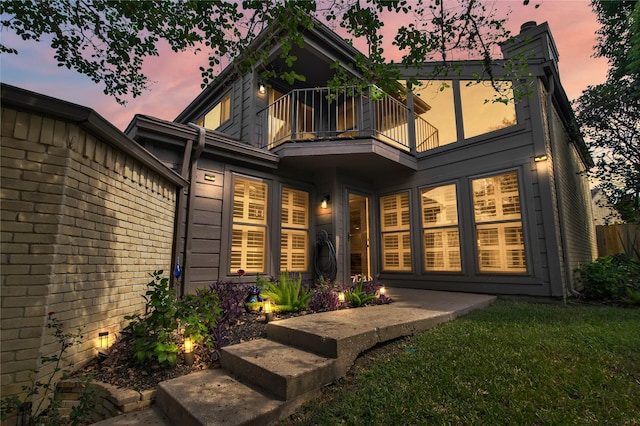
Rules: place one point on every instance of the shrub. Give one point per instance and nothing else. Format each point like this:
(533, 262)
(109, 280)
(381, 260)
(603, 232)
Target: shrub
(325, 297)
(610, 279)
(198, 314)
(155, 334)
(231, 301)
(288, 293)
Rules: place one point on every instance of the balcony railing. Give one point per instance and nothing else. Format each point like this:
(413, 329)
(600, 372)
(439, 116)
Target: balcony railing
(330, 114)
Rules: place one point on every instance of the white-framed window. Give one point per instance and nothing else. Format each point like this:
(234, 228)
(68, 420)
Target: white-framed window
(294, 239)
(498, 224)
(395, 229)
(441, 235)
(249, 228)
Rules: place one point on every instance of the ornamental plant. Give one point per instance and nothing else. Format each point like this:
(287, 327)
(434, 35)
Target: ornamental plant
(155, 334)
(325, 296)
(231, 302)
(287, 293)
(357, 296)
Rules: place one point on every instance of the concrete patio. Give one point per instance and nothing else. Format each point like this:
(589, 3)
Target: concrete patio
(265, 380)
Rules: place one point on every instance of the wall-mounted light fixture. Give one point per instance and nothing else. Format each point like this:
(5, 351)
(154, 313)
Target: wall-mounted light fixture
(325, 201)
(188, 350)
(540, 158)
(262, 89)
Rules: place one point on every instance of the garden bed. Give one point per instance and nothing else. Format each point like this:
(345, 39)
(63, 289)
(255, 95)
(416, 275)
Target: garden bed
(120, 369)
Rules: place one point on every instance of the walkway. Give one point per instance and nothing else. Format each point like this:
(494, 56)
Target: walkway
(265, 380)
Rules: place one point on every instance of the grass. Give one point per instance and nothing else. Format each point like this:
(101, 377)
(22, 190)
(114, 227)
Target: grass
(512, 363)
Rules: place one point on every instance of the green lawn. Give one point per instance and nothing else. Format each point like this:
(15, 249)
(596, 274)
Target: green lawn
(513, 363)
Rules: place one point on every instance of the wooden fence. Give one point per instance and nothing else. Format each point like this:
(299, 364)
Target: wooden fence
(614, 239)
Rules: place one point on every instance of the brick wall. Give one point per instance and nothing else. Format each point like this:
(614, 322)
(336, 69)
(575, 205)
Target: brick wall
(83, 225)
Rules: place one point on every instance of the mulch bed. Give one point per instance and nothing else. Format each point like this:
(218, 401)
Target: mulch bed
(121, 370)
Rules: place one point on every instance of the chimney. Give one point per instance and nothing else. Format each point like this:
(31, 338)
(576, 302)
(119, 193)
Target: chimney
(534, 41)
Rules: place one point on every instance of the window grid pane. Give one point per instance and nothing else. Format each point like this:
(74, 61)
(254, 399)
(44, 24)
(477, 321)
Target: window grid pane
(294, 241)
(396, 238)
(249, 233)
(500, 243)
(441, 241)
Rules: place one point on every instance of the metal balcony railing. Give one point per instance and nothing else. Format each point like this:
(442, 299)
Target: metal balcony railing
(329, 114)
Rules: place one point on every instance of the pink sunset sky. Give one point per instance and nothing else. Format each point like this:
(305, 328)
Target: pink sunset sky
(176, 77)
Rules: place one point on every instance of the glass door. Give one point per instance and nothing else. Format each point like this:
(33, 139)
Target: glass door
(359, 236)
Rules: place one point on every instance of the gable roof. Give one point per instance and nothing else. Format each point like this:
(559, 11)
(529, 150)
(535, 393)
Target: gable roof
(320, 41)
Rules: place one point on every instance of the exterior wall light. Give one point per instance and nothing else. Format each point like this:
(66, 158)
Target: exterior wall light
(540, 158)
(262, 89)
(188, 350)
(325, 201)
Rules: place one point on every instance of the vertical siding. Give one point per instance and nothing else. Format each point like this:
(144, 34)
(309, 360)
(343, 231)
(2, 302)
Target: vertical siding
(573, 197)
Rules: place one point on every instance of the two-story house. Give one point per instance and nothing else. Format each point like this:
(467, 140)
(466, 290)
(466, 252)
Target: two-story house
(435, 189)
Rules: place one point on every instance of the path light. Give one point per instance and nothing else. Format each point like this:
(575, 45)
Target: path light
(268, 311)
(341, 297)
(382, 291)
(103, 344)
(188, 350)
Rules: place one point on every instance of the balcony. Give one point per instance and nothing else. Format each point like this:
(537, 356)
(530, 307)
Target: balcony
(346, 114)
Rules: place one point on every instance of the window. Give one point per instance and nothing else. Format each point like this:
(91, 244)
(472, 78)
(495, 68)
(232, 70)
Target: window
(435, 114)
(218, 115)
(249, 229)
(294, 241)
(435, 109)
(441, 237)
(395, 227)
(500, 242)
(479, 114)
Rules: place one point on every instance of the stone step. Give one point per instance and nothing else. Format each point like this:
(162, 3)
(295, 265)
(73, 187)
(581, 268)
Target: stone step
(213, 397)
(282, 370)
(346, 333)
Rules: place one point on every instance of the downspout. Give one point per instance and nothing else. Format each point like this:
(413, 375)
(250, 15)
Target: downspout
(180, 207)
(561, 208)
(193, 172)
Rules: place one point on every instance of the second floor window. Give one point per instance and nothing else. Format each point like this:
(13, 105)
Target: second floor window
(396, 236)
(218, 115)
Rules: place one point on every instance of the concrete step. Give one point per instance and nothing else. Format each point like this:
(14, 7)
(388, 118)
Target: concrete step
(346, 333)
(284, 371)
(213, 397)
